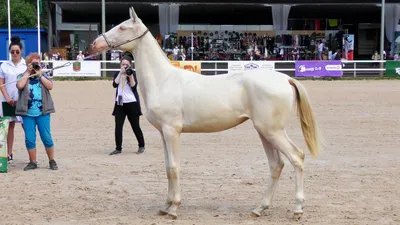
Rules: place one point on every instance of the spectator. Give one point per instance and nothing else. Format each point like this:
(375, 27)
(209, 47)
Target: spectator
(9, 71)
(35, 106)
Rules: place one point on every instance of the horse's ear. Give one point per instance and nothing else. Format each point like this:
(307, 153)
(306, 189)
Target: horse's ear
(133, 14)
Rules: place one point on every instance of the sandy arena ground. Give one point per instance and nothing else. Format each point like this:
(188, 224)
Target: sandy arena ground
(224, 175)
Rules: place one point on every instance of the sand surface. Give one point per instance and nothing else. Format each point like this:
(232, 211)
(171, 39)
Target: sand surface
(355, 180)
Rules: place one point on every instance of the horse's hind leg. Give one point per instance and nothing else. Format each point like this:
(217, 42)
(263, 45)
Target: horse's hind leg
(276, 165)
(281, 141)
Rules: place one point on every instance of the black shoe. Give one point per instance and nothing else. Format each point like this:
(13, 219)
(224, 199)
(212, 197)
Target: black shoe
(115, 152)
(141, 150)
(53, 165)
(30, 166)
(10, 158)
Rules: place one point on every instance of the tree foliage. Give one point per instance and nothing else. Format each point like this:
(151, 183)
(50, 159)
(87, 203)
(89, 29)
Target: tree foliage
(23, 14)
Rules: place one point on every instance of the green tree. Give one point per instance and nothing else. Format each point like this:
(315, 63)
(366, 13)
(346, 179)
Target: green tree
(23, 14)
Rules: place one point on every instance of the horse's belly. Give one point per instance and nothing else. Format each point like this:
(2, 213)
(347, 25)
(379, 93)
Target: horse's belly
(213, 123)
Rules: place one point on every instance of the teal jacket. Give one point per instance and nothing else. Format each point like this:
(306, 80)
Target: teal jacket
(22, 103)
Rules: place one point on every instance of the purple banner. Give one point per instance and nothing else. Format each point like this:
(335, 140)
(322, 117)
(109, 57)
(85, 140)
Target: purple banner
(319, 68)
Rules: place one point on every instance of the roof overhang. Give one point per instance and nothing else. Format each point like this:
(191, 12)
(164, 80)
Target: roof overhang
(259, 2)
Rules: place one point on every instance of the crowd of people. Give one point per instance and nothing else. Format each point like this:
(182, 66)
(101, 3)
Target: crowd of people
(26, 99)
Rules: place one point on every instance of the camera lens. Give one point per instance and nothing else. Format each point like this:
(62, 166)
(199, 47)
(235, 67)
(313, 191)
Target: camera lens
(36, 66)
(128, 70)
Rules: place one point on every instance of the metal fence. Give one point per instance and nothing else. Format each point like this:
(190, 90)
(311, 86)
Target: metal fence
(354, 68)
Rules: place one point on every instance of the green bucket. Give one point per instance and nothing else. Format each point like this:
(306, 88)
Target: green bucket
(3, 144)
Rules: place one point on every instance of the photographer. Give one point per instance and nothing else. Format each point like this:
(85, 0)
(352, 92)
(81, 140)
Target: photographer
(127, 104)
(35, 105)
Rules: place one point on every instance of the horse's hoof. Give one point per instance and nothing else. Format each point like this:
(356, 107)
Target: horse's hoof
(297, 216)
(172, 215)
(255, 213)
(162, 212)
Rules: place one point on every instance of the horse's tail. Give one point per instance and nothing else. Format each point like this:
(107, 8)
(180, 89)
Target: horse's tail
(306, 115)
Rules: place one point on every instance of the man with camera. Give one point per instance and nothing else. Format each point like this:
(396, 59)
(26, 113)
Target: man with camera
(127, 104)
(35, 105)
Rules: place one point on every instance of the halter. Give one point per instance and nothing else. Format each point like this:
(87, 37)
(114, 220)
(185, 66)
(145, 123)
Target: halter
(125, 42)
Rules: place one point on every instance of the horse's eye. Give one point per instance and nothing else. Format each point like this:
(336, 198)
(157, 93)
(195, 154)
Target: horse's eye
(122, 27)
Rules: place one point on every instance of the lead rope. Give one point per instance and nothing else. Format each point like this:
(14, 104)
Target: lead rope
(43, 72)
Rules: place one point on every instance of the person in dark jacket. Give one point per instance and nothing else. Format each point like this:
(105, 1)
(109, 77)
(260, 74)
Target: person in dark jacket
(127, 104)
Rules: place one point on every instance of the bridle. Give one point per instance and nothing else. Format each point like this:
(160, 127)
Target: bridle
(125, 42)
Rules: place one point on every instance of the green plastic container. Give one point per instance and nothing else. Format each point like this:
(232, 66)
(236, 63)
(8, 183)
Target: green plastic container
(3, 144)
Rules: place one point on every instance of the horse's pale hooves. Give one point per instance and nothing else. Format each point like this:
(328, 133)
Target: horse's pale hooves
(162, 212)
(297, 215)
(256, 213)
(172, 215)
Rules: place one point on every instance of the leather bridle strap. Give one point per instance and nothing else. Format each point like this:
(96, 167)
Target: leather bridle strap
(125, 42)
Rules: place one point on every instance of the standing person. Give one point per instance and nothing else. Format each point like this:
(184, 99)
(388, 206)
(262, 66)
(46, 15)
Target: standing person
(346, 47)
(320, 49)
(127, 104)
(9, 71)
(80, 56)
(35, 106)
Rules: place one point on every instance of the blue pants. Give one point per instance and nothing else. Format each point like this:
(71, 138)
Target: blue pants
(43, 124)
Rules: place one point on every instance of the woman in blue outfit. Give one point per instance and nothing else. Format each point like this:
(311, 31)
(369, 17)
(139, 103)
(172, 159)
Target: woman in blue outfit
(35, 105)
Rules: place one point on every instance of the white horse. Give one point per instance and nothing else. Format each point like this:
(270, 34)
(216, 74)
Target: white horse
(180, 101)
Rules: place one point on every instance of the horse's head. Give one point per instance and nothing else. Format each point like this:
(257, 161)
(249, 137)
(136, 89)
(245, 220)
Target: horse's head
(123, 36)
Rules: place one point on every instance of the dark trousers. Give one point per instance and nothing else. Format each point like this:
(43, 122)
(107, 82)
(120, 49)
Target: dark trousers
(127, 110)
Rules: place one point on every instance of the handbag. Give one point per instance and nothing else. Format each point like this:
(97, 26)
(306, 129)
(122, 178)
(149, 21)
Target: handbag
(8, 110)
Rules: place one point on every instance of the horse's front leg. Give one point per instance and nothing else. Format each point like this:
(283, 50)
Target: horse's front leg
(171, 140)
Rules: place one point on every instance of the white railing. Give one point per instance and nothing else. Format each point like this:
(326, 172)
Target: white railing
(364, 68)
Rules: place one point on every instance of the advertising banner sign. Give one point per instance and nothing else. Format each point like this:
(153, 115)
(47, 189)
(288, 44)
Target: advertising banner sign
(392, 68)
(319, 68)
(239, 66)
(78, 69)
(194, 66)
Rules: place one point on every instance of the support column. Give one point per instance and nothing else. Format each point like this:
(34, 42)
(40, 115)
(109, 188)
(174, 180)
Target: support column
(50, 27)
(58, 23)
(392, 16)
(382, 35)
(168, 16)
(280, 16)
(173, 17)
(103, 30)
(163, 18)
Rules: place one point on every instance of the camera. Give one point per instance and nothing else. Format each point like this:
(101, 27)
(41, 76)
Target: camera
(119, 101)
(128, 70)
(36, 66)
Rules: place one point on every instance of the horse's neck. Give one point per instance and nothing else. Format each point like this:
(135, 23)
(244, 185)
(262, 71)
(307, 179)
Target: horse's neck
(151, 64)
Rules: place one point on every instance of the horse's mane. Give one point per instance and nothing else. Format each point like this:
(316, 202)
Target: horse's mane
(158, 46)
(159, 49)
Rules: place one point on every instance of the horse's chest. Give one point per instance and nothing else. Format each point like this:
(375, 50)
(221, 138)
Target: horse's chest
(160, 112)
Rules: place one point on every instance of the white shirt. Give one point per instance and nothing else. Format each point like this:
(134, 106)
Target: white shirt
(126, 91)
(320, 47)
(80, 57)
(176, 51)
(9, 72)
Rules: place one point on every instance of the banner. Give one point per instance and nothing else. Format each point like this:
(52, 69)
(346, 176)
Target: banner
(240, 66)
(392, 68)
(194, 66)
(319, 68)
(89, 68)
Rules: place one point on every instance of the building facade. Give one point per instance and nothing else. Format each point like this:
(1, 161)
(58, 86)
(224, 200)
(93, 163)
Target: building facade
(82, 18)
